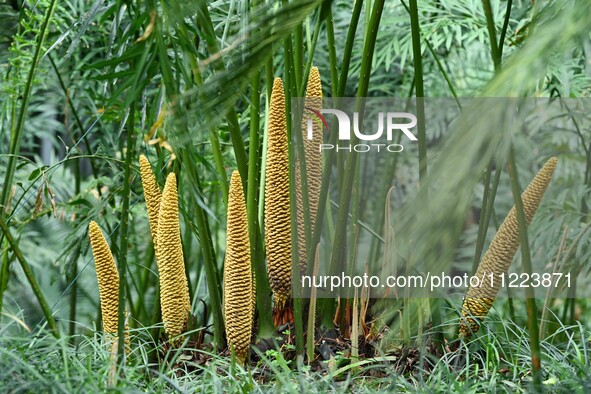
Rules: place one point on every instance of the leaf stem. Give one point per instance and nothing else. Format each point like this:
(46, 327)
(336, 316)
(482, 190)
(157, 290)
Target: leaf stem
(211, 270)
(326, 305)
(490, 24)
(419, 90)
(123, 235)
(530, 301)
(505, 27)
(265, 326)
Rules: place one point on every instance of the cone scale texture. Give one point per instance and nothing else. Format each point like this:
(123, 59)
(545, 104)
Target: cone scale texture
(238, 277)
(313, 162)
(107, 276)
(500, 253)
(277, 210)
(174, 290)
(152, 195)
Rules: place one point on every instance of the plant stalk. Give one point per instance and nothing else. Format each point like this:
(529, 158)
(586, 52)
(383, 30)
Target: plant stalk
(530, 301)
(123, 236)
(265, 320)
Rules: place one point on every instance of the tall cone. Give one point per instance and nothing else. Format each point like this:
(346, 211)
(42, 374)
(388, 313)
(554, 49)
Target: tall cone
(277, 211)
(108, 281)
(500, 253)
(313, 162)
(152, 194)
(107, 276)
(174, 289)
(238, 277)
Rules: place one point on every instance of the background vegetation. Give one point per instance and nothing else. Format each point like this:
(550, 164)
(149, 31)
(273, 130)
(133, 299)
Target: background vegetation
(87, 86)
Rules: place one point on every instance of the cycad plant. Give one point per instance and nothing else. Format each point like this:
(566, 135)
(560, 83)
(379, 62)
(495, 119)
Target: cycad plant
(196, 79)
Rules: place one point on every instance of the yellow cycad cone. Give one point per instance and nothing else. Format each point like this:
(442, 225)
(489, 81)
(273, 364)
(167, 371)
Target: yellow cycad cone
(277, 214)
(108, 281)
(500, 253)
(313, 160)
(152, 195)
(238, 277)
(107, 276)
(174, 290)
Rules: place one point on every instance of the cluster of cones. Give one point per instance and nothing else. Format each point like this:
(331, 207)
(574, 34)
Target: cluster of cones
(239, 281)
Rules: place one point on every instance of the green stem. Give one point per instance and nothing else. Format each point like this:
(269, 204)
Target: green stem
(265, 326)
(355, 214)
(530, 301)
(238, 145)
(132, 311)
(298, 54)
(422, 137)
(326, 305)
(72, 275)
(211, 271)
(123, 234)
(490, 25)
(338, 248)
(290, 89)
(219, 164)
(269, 75)
(332, 54)
(486, 212)
(4, 271)
(187, 247)
(482, 227)
(505, 27)
(145, 282)
(73, 272)
(452, 89)
(391, 170)
(218, 157)
(299, 148)
(304, 77)
(311, 326)
(349, 47)
(30, 277)
(419, 91)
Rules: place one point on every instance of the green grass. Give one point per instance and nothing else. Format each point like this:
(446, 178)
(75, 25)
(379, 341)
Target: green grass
(497, 361)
